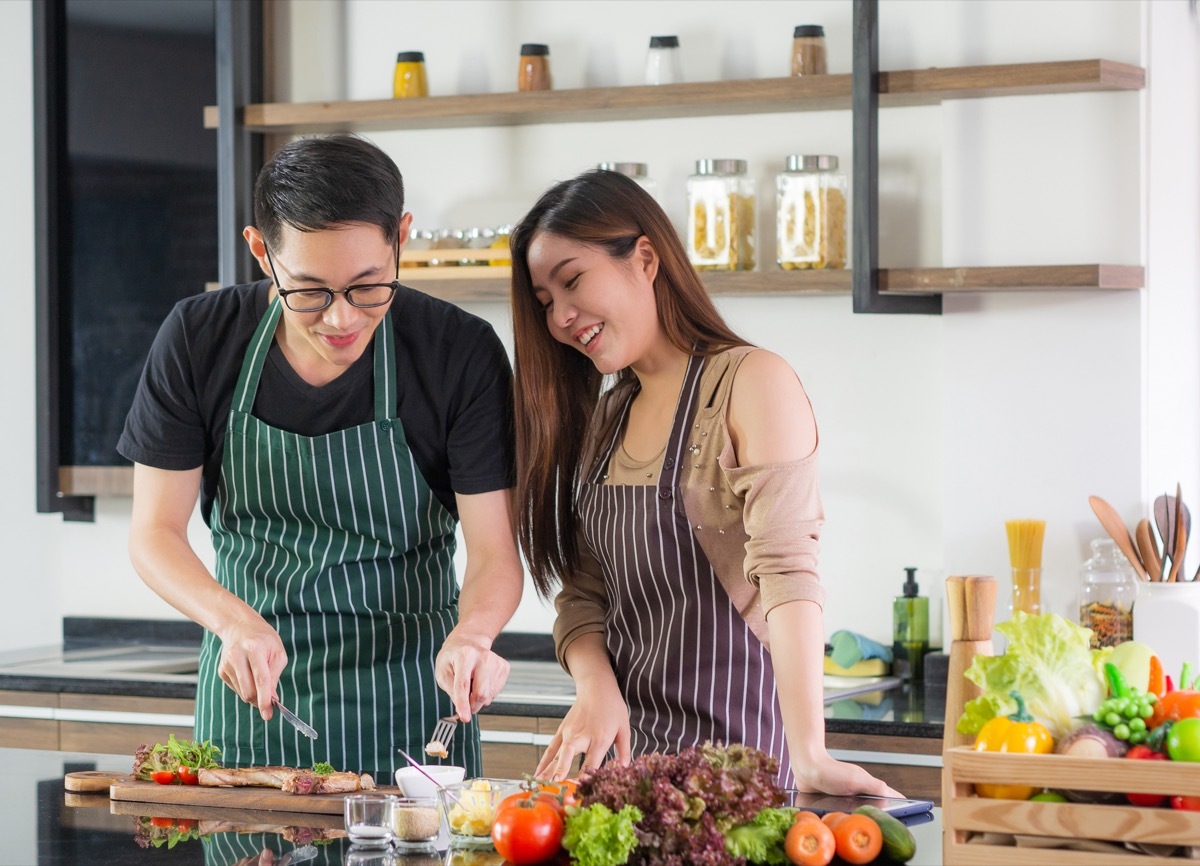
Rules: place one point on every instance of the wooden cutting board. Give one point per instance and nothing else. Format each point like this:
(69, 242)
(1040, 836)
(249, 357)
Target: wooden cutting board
(125, 788)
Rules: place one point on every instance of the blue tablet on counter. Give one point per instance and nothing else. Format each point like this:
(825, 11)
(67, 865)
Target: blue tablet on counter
(897, 807)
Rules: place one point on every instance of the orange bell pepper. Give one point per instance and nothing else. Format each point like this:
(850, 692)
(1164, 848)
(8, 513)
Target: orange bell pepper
(1176, 705)
(1018, 733)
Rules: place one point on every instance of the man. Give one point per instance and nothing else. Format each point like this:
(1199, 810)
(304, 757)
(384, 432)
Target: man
(336, 425)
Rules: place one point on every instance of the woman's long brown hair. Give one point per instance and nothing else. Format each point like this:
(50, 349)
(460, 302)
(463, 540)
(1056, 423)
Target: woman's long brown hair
(556, 387)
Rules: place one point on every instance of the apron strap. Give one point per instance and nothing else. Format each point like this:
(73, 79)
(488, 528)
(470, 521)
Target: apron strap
(260, 345)
(668, 478)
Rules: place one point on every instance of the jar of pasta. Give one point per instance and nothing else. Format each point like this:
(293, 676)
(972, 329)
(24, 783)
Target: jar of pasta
(721, 232)
(810, 214)
(639, 172)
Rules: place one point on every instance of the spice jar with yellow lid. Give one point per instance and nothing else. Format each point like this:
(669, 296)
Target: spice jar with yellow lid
(810, 214)
(410, 77)
(808, 50)
(533, 73)
(721, 225)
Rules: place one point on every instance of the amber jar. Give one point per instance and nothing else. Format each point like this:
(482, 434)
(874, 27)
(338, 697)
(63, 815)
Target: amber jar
(534, 70)
(410, 75)
(808, 50)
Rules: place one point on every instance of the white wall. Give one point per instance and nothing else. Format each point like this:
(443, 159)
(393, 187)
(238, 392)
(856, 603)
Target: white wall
(934, 430)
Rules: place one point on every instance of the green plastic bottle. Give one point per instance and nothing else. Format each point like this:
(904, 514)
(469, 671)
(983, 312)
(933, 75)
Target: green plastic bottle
(910, 635)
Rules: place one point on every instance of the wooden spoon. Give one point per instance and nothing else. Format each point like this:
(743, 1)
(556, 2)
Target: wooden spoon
(1164, 519)
(1181, 536)
(1119, 533)
(1148, 548)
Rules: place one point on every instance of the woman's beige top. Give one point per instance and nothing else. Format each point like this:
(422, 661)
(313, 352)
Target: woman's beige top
(759, 526)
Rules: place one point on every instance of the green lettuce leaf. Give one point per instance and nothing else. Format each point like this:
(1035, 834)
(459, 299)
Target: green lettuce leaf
(1048, 660)
(596, 836)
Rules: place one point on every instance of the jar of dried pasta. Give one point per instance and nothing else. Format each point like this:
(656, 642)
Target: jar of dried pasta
(810, 214)
(721, 231)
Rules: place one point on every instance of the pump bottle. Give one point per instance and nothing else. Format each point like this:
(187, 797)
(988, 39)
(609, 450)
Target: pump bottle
(910, 619)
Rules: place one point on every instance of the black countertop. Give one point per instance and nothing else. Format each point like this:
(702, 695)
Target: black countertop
(92, 660)
(44, 826)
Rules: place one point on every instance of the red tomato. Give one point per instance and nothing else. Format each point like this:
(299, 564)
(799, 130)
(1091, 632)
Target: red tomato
(163, 777)
(185, 825)
(1189, 804)
(528, 831)
(162, 823)
(1145, 753)
(189, 776)
(859, 839)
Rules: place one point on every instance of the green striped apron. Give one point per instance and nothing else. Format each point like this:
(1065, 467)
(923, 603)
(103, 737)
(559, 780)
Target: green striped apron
(339, 543)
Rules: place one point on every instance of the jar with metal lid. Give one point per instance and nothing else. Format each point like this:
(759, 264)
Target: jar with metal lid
(419, 241)
(533, 72)
(810, 214)
(500, 242)
(808, 50)
(410, 75)
(451, 241)
(1107, 590)
(639, 172)
(721, 232)
(477, 239)
(662, 61)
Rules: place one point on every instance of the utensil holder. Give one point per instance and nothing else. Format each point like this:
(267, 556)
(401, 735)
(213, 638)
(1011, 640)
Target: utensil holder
(1166, 617)
(972, 604)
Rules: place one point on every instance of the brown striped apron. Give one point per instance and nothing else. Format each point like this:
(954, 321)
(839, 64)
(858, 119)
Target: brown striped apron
(690, 668)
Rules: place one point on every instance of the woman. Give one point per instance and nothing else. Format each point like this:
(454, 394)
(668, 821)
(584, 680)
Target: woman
(678, 509)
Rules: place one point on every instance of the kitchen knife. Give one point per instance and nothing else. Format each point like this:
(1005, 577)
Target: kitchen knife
(294, 720)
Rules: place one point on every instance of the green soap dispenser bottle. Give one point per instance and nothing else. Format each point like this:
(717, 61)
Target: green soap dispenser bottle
(910, 619)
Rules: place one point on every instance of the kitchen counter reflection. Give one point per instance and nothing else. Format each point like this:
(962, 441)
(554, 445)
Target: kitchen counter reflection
(43, 825)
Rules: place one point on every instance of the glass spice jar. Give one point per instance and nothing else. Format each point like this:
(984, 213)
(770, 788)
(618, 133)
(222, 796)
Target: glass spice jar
(1107, 590)
(410, 77)
(533, 73)
(808, 50)
(419, 241)
(662, 61)
(721, 229)
(639, 172)
(810, 214)
(500, 242)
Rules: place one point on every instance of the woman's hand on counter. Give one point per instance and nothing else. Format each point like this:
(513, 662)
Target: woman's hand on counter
(824, 774)
(597, 721)
(252, 658)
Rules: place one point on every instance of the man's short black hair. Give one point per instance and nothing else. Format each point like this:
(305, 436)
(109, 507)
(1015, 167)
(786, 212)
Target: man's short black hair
(313, 184)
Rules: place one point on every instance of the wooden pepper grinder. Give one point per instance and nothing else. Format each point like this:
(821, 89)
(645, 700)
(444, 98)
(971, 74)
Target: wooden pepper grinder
(972, 604)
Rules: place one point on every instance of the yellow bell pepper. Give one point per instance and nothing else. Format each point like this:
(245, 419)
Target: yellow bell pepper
(1019, 733)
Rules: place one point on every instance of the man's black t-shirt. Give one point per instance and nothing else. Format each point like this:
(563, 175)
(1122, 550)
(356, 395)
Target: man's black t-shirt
(454, 391)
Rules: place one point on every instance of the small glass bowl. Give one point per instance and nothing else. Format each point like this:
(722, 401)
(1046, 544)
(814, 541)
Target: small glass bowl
(416, 821)
(471, 807)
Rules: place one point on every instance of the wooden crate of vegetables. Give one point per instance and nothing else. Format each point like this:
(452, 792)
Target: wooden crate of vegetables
(1082, 757)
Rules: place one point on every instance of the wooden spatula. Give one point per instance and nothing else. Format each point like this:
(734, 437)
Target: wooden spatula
(1180, 536)
(1112, 522)
(1148, 549)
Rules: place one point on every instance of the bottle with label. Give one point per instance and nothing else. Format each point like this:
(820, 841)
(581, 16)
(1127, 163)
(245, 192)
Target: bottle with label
(410, 75)
(662, 61)
(1107, 590)
(533, 72)
(910, 619)
(721, 233)
(810, 214)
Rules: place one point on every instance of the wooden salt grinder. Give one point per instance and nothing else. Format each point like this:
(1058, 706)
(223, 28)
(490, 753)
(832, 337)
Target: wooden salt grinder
(972, 604)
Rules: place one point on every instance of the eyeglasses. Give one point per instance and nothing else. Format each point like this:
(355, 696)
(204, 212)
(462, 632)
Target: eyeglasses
(365, 296)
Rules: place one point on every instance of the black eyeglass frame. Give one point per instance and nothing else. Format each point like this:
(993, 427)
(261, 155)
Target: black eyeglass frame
(329, 293)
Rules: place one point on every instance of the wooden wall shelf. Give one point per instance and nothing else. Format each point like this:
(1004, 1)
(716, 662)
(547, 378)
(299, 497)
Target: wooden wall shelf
(693, 99)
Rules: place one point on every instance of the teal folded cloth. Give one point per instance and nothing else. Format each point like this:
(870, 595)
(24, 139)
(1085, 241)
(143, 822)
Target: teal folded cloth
(849, 648)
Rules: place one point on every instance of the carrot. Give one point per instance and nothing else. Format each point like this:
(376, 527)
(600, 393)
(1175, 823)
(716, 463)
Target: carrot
(858, 839)
(1157, 685)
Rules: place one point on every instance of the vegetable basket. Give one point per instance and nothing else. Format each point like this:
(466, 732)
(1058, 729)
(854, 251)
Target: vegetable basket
(979, 831)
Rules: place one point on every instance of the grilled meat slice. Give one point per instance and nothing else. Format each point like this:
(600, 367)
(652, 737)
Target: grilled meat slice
(306, 782)
(239, 777)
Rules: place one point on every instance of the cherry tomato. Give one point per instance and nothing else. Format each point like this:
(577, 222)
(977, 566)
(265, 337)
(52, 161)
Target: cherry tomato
(189, 776)
(162, 823)
(809, 843)
(185, 825)
(1183, 740)
(1188, 804)
(163, 777)
(528, 831)
(859, 839)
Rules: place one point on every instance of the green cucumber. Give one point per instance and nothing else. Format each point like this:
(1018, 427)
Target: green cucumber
(898, 842)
